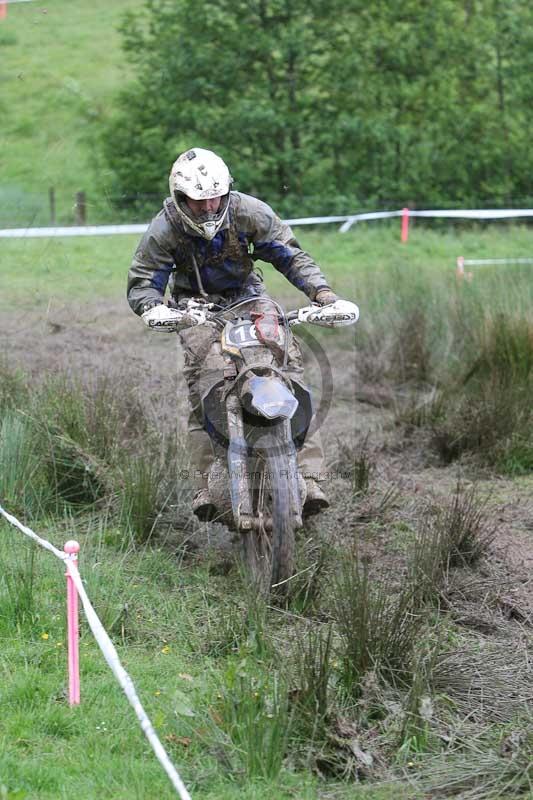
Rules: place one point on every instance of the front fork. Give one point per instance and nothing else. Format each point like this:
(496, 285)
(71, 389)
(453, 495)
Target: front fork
(239, 479)
(239, 474)
(293, 476)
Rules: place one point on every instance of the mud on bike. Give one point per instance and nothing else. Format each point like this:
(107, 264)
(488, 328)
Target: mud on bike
(257, 417)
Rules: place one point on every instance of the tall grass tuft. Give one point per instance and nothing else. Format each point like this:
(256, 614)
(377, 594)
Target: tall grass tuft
(140, 500)
(411, 354)
(418, 711)
(13, 388)
(77, 476)
(313, 556)
(17, 597)
(456, 534)
(93, 415)
(465, 535)
(24, 484)
(252, 712)
(73, 445)
(234, 626)
(312, 695)
(487, 412)
(378, 630)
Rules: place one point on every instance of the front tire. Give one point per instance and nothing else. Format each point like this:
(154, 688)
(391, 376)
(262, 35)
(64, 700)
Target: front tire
(269, 547)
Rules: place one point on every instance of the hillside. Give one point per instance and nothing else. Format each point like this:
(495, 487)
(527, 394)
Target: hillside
(60, 64)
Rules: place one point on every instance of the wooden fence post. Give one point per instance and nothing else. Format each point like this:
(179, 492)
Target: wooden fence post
(52, 201)
(80, 209)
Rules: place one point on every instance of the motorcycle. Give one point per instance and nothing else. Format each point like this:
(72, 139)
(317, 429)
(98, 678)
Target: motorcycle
(257, 418)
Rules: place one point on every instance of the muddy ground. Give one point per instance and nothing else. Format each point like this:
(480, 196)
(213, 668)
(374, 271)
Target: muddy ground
(107, 338)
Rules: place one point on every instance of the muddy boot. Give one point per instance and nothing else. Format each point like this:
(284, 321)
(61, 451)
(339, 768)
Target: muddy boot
(315, 500)
(203, 507)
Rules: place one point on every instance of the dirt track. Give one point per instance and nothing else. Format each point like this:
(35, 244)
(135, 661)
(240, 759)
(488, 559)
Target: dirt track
(108, 338)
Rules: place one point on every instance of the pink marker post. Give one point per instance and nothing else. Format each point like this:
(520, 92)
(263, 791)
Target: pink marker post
(71, 548)
(405, 224)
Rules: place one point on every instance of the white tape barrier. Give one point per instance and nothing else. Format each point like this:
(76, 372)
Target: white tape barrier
(14, 521)
(480, 213)
(111, 230)
(347, 220)
(111, 656)
(86, 230)
(472, 262)
(462, 262)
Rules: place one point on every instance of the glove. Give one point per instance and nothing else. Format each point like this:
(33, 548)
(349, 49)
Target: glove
(324, 297)
(162, 318)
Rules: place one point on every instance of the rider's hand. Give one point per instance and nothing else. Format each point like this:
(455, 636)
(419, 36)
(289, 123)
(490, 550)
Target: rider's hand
(325, 296)
(162, 318)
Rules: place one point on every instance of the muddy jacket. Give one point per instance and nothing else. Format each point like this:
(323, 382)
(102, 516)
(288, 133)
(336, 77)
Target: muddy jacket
(251, 231)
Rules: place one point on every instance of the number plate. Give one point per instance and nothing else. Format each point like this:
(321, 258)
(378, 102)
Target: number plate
(240, 334)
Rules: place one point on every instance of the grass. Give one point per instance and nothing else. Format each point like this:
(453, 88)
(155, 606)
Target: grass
(252, 702)
(368, 265)
(98, 750)
(69, 447)
(61, 65)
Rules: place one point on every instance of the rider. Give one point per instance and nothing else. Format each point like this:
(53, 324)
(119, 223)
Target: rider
(204, 242)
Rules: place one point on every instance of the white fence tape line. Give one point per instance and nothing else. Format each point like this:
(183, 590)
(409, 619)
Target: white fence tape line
(481, 213)
(14, 521)
(314, 220)
(111, 656)
(471, 262)
(348, 220)
(477, 213)
(85, 230)
(367, 216)
(111, 230)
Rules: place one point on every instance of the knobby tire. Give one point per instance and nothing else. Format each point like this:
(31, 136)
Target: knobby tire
(269, 554)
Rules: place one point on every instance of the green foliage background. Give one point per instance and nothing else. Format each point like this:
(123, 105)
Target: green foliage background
(318, 108)
(331, 107)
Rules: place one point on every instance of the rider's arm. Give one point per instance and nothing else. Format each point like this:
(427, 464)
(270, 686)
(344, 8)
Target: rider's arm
(151, 266)
(275, 243)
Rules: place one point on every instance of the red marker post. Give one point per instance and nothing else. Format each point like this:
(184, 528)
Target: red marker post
(405, 224)
(71, 548)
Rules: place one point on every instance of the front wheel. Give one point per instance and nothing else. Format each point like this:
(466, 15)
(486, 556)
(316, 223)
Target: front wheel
(269, 546)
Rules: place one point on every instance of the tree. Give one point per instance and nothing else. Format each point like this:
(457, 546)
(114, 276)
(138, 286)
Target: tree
(244, 78)
(331, 107)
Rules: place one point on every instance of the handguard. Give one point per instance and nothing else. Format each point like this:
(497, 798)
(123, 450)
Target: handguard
(171, 320)
(334, 315)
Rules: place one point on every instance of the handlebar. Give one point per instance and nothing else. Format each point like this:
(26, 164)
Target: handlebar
(334, 315)
(192, 312)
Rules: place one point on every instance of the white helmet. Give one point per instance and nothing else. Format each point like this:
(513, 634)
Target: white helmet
(200, 175)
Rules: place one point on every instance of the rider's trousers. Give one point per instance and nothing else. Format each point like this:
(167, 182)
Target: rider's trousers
(203, 365)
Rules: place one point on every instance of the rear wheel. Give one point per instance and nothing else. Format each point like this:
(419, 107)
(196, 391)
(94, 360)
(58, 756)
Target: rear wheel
(269, 547)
